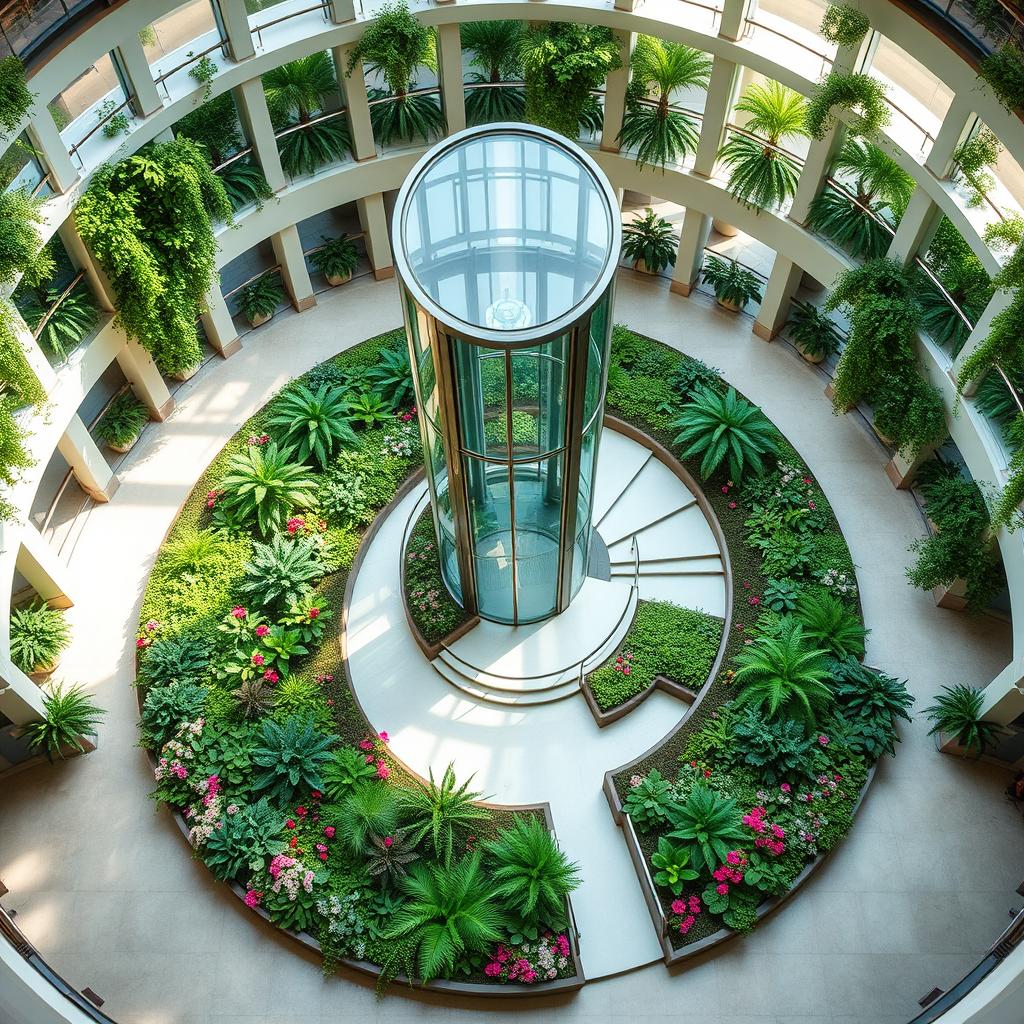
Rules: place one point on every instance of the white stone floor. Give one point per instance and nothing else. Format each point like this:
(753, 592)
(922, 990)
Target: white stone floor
(107, 890)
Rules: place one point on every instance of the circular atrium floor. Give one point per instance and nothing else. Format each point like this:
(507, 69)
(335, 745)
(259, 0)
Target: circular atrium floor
(107, 890)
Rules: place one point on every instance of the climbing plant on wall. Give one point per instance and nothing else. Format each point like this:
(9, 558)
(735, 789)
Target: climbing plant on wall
(149, 220)
(562, 63)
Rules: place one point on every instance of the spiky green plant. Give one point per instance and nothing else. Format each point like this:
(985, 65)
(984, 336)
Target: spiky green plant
(308, 147)
(495, 48)
(291, 755)
(298, 88)
(660, 135)
(862, 692)
(813, 331)
(957, 711)
(784, 676)
(392, 376)
(534, 876)
(244, 184)
(280, 574)
(184, 658)
(312, 423)
(390, 855)
(344, 770)
(734, 285)
(69, 322)
(38, 634)
(442, 811)
(649, 239)
(371, 807)
(449, 913)
(336, 257)
(263, 482)
(369, 408)
(255, 697)
(190, 550)
(725, 428)
(69, 714)
(829, 624)
(760, 174)
(709, 824)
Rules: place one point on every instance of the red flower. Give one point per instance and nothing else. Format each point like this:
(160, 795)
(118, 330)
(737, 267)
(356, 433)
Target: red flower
(323, 855)
(329, 831)
(301, 811)
(314, 612)
(290, 823)
(258, 659)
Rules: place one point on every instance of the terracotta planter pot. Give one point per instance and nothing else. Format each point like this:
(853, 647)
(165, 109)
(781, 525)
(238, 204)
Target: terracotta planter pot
(726, 230)
(258, 321)
(820, 358)
(187, 374)
(43, 672)
(728, 304)
(333, 279)
(122, 448)
(641, 267)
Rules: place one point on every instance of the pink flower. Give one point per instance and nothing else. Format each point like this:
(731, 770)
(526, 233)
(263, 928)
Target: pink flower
(733, 857)
(384, 737)
(678, 907)
(725, 488)
(754, 600)
(252, 899)
(492, 970)
(778, 832)
(271, 676)
(238, 612)
(262, 630)
(141, 642)
(301, 811)
(258, 659)
(366, 745)
(686, 924)
(290, 823)
(722, 888)
(625, 670)
(152, 625)
(732, 504)
(389, 841)
(383, 771)
(694, 904)
(823, 740)
(786, 788)
(811, 505)
(314, 613)
(323, 855)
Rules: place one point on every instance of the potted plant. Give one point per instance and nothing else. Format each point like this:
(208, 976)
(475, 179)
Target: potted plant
(120, 426)
(259, 299)
(70, 715)
(734, 285)
(336, 259)
(813, 332)
(39, 635)
(957, 714)
(649, 243)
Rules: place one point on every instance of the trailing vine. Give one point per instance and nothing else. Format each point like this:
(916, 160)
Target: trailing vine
(19, 386)
(1003, 71)
(15, 98)
(862, 95)
(844, 25)
(1006, 510)
(149, 221)
(21, 251)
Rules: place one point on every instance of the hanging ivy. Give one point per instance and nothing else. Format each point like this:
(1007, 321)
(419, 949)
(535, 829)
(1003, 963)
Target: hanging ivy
(14, 455)
(844, 25)
(149, 221)
(862, 95)
(21, 251)
(15, 99)
(1003, 70)
(1007, 508)
(17, 377)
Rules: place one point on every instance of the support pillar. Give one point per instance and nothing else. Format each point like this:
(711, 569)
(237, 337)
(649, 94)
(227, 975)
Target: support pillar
(956, 126)
(916, 227)
(734, 19)
(132, 58)
(146, 380)
(218, 325)
(86, 460)
(374, 221)
(453, 92)
(342, 11)
(996, 305)
(783, 283)
(81, 257)
(693, 236)
(615, 95)
(357, 104)
(1004, 696)
(43, 568)
(626, 5)
(237, 35)
(717, 107)
(43, 134)
(255, 117)
(20, 699)
(294, 272)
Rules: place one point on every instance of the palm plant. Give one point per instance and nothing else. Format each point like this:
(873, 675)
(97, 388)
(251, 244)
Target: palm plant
(244, 183)
(760, 173)
(390, 855)
(443, 811)
(370, 808)
(68, 715)
(534, 876)
(313, 423)
(649, 243)
(306, 147)
(280, 573)
(863, 222)
(369, 408)
(393, 376)
(336, 258)
(122, 423)
(724, 428)
(264, 483)
(829, 624)
(258, 300)
(291, 756)
(191, 550)
(495, 48)
(709, 824)
(38, 635)
(448, 913)
(734, 285)
(957, 711)
(784, 676)
(813, 331)
(395, 44)
(659, 134)
(69, 322)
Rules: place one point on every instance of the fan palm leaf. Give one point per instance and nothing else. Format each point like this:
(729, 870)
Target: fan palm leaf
(298, 89)
(311, 146)
(441, 811)
(405, 116)
(495, 48)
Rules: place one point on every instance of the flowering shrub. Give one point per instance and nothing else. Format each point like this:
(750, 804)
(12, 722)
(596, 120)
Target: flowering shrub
(433, 610)
(290, 897)
(530, 962)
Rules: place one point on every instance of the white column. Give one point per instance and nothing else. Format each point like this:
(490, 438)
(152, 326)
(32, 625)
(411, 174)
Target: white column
(916, 227)
(999, 302)
(453, 93)
(255, 117)
(217, 322)
(717, 107)
(734, 17)
(20, 699)
(357, 104)
(374, 221)
(1004, 696)
(778, 295)
(81, 257)
(615, 95)
(146, 380)
(145, 98)
(956, 126)
(235, 20)
(44, 569)
(693, 236)
(43, 134)
(294, 272)
(86, 460)
(342, 11)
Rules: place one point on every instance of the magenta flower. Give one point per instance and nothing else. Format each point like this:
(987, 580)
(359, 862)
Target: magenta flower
(238, 612)
(262, 630)
(258, 659)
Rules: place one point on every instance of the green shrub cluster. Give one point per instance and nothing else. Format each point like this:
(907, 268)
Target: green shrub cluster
(434, 611)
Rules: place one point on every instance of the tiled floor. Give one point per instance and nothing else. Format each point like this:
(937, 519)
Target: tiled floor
(106, 888)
